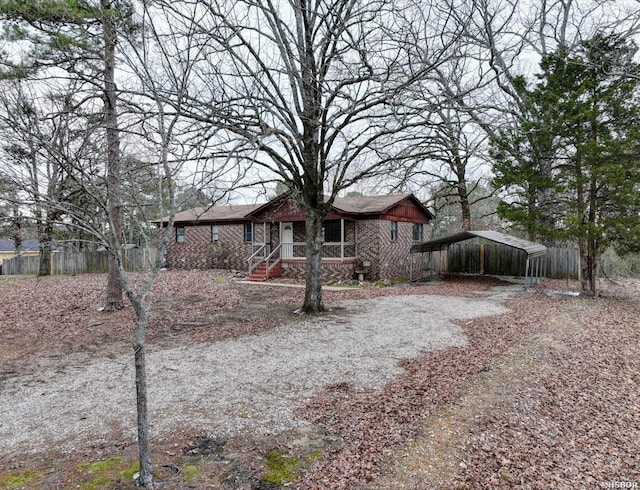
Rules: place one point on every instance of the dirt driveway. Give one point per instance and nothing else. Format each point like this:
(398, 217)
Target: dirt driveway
(253, 383)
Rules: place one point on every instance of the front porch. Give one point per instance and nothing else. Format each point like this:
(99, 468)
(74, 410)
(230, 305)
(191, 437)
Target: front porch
(279, 249)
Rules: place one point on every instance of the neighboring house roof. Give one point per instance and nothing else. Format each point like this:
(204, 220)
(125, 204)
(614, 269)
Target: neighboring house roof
(531, 248)
(28, 245)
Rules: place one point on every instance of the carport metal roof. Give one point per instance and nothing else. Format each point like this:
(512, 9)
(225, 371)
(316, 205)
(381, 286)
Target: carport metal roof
(531, 248)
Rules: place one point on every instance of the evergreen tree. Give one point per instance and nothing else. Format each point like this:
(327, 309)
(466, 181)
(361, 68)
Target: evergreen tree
(573, 159)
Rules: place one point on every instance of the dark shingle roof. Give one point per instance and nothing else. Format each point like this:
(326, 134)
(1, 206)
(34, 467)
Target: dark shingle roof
(238, 212)
(233, 212)
(368, 204)
(28, 245)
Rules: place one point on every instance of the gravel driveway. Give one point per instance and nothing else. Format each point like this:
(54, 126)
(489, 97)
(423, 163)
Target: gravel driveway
(250, 384)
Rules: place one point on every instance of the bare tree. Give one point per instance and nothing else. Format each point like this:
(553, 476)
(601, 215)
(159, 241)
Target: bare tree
(39, 146)
(103, 175)
(80, 39)
(483, 90)
(312, 92)
(163, 65)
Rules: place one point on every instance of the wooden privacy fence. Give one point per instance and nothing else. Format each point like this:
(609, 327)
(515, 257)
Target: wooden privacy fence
(135, 259)
(559, 263)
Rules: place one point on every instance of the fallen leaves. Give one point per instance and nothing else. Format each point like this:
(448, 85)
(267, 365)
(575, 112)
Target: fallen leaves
(573, 421)
(573, 424)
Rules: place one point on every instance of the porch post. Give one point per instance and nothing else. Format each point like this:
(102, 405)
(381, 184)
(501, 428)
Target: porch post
(342, 238)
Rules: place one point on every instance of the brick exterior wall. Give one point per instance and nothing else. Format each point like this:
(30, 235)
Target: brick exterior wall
(388, 258)
(368, 245)
(394, 255)
(198, 252)
(331, 270)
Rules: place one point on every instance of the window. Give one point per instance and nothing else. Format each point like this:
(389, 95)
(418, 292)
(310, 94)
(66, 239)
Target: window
(394, 231)
(418, 232)
(248, 232)
(180, 235)
(332, 231)
(215, 234)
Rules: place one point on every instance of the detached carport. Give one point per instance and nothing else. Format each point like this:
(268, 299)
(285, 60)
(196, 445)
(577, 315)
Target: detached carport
(535, 253)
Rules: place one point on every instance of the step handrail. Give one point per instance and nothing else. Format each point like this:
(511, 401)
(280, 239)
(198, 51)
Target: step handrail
(269, 257)
(252, 257)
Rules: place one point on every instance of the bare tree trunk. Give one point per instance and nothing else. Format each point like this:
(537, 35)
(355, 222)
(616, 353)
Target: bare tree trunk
(17, 237)
(465, 206)
(587, 269)
(144, 449)
(313, 292)
(114, 289)
(114, 300)
(45, 238)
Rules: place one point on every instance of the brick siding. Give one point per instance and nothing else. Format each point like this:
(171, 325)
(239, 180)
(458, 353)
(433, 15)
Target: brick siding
(198, 252)
(368, 245)
(388, 258)
(394, 255)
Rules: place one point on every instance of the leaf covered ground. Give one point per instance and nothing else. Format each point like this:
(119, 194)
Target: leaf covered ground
(545, 396)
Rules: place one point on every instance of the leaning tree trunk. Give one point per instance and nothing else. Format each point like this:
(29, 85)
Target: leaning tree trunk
(313, 291)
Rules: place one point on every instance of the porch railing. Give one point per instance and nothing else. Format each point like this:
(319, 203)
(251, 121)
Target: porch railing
(330, 250)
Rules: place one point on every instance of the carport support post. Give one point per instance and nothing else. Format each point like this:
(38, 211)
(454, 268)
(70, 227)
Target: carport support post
(526, 274)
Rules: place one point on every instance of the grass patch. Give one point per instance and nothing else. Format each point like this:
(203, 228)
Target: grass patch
(107, 472)
(17, 480)
(190, 473)
(102, 465)
(280, 468)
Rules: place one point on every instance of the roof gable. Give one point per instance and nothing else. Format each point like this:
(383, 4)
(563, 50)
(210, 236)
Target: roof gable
(360, 206)
(373, 205)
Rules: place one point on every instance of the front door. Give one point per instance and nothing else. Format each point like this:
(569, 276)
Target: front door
(286, 240)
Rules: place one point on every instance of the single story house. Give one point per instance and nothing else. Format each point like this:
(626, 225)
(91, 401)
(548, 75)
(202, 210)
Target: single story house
(28, 248)
(368, 235)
